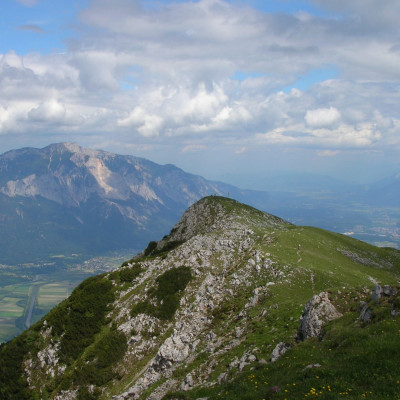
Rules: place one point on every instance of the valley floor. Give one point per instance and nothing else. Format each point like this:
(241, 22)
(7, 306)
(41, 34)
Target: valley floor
(27, 294)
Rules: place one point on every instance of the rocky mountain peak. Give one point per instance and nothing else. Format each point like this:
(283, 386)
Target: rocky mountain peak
(216, 213)
(65, 146)
(77, 152)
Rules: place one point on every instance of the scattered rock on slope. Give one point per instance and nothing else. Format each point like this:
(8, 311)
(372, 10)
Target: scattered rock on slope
(280, 349)
(365, 312)
(385, 290)
(316, 312)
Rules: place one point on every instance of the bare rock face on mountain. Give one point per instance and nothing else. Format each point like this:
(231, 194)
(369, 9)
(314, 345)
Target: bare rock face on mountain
(316, 312)
(213, 240)
(208, 216)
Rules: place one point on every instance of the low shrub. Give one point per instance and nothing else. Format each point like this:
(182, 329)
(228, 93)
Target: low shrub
(13, 385)
(172, 281)
(84, 394)
(102, 357)
(81, 316)
(129, 274)
(167, 309)
(143, 307)
(126, 263)
(110, 348)
(167, 294)
(150, 248)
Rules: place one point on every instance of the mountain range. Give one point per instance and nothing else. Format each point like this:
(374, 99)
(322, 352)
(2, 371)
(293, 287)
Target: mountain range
(66, 200)
(233, 303)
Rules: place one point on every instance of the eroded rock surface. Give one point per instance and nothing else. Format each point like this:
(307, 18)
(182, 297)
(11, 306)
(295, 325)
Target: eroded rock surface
(316, 312)
(280, 349)
(381, 291)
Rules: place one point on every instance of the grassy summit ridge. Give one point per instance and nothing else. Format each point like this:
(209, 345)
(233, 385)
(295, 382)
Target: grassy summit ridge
(199, 314)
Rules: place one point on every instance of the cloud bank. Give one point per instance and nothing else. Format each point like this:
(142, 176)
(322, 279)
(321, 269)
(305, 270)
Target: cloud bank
(213, 72)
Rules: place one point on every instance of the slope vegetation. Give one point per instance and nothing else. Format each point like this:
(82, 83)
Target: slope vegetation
(233, 303)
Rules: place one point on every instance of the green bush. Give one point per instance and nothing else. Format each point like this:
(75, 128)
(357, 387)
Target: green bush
(89, 374)
(13, 385)
(172, 281)
(81, 316)
(167, 309)
(126, 274)
(150, 248)
(143, 307)
(173, 244)
(166, 295)
(113, 276)
(107, 352)
(110, 348)
(129, 274)
(126, 263)
(84, 394)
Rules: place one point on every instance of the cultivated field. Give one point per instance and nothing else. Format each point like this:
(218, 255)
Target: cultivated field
(24, 303)
(13, 301)
(53, 293)
(10, 308)
(7, 329)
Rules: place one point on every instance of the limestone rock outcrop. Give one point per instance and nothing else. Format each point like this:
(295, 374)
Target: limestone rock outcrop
(316, 312)
(280, 349)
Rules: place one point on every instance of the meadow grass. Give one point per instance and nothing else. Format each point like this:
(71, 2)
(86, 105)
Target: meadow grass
(351, 361)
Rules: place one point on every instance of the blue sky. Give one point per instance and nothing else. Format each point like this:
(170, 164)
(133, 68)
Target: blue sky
(47, 25)
(44, 26)
(220, 88)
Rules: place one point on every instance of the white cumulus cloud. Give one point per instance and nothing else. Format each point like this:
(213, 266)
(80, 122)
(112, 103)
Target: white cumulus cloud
(146, 124)
(322, 117)
(51, 110)
(212, 71)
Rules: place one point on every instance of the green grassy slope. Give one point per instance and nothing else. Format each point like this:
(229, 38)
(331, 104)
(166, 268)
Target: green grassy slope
(353, 359)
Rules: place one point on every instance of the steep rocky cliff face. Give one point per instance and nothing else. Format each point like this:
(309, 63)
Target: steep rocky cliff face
(233, 303)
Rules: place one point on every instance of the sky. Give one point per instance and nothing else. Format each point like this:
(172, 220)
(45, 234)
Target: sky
(237, 91)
